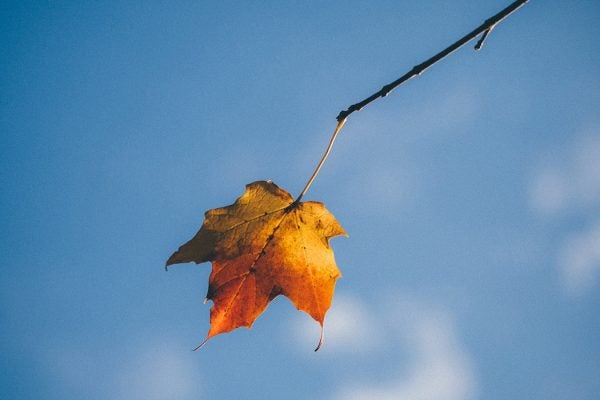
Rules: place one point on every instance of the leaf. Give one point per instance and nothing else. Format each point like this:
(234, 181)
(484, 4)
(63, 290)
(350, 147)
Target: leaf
(261, 246)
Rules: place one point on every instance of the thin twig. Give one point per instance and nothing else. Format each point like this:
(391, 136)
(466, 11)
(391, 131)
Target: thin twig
(484, 29)
(419, 69)
(329, 146)
(481, 40)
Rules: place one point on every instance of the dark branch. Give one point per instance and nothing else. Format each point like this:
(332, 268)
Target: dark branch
(484, 29)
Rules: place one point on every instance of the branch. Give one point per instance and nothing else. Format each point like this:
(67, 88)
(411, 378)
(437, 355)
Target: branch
(483, 29)
(417, 70)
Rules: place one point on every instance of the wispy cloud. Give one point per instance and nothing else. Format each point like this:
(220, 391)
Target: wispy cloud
(441, 367)
(569, 185)
(159, 372)
(349, 327)
(580, 260)
(570, 182)
(550, 191)
(147, 372)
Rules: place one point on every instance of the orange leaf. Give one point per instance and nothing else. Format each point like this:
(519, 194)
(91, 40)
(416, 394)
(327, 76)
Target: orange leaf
(261, 246)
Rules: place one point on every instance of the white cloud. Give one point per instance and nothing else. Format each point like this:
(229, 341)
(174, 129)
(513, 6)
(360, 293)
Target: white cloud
(587, 165)
(349, 327)
(571, 183)
(441, 368)
(157, 373)
(580, 261)
(150, 371)
(549, 192)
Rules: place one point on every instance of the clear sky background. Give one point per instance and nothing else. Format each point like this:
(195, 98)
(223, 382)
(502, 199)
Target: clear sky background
(471, 196)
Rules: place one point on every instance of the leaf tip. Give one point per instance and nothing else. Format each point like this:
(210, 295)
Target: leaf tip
(201, 344)
(172, 260)
(321, 338)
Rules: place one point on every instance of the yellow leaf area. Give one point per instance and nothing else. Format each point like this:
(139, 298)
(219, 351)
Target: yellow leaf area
(261, 246)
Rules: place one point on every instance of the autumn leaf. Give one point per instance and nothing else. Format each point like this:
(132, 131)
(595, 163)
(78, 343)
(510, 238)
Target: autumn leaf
(266, 243)
(263, 245)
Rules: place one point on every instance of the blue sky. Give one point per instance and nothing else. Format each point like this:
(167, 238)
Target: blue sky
(471, 196)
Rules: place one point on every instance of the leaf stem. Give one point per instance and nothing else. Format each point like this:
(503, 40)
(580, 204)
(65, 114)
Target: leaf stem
(338, 128)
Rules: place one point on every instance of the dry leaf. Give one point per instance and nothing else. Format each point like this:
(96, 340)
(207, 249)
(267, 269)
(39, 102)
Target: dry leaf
(264, 245)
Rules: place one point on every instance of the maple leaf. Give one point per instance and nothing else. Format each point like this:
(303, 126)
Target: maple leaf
(263, 245)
